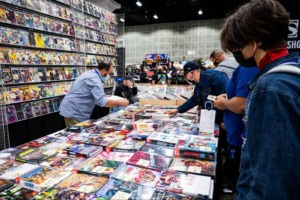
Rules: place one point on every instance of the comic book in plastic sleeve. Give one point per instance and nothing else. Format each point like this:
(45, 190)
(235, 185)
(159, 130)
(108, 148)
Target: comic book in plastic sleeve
(116, 156)
(6, 164)
(25, 93)
(16, 73)
(15, 172)
(38, 142)
(17, 192)
(85, 183)
(99, 167)
(99, 140)
(194, 166)
(182, 183)
(150, 161)
(13, 94)
(9, 153)
(55, 193)
(117, 189)
(148, 124)
(34, 155)
(11, 114)
(63, 162)
(158, 150)
(127, 145)
(42, 178)
(164, 195)
(4, 184)
(162, 139)
(25, 74)
(27, 110)
(133, 174)
(83, 150)
(7, 77)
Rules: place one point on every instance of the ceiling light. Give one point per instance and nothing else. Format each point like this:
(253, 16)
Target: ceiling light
(122, 20)
(200, 12)
(155, 16)
(138, 3)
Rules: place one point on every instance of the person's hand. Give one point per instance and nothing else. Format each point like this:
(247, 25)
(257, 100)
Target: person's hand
(171, 112)
(123, 102)
(219, 103)
(129, 84)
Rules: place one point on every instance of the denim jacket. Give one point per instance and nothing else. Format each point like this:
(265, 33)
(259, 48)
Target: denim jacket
(212, 82)
(270, 159)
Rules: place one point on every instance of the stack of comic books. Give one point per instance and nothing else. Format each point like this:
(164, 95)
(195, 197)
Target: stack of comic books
(83, 150)
(116, 156)
(34, 155)
(158, 150)
(15, 172)
(162, 139)
(127, 145)
(63, 162)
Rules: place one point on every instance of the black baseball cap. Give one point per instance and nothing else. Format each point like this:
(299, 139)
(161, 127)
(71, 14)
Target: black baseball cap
(128, 78)
(190, 66)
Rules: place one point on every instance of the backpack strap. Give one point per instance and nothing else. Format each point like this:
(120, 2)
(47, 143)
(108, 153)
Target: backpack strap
(290, 69)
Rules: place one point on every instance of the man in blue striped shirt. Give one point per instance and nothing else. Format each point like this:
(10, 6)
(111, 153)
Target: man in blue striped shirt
(86, 92)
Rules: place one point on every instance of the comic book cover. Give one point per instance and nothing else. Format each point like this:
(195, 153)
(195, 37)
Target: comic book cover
(83, 150)
(51, 25)
(4, 184)
(44, 25)
(116, 156)
(23, 38)
(50, 105)
(158, 150)
(15, 172)
(49, 90)
(162, 139)
(3, 96)
(16, 75)
(99, 167)
(4, 35)
(137, 175)
(68, 86)
(10, 16)
(194, 166)
(41, 73)
(62, 74)
(68, 72)
(63, 162)
(117, 189)
(58, 27)
(56, 104)
(164, 195)
(34, 155)
(99, 140)
(36, 108)
(148, 125)
(196, 147)
(20, 18)
(11, 114)
(7, 77)
(9, 153)
(127, 145)
(17, 192)
(27, 110)
(55, 193)
(150, 161)
(25, 74)
(13, 94)
(82, 183)
(57, 89)
(29, 20)
(34, 74)
(182, 183)
(39, 40)
(37, 22)
(32, 43)
(3, 14)
(50, 73)
(5, 55)
(13, 37)
(42, 177)
(5, 165)
(25, 93)
(34, 92)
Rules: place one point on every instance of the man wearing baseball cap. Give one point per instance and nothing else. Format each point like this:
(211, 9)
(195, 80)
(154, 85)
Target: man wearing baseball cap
(127, 90)
(208, 82)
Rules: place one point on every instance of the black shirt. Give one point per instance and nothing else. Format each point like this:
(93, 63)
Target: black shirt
(126, 92)
(159, 77)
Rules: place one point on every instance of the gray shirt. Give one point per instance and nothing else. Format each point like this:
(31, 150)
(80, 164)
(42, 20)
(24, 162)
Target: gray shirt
(86, 92)
(228, 65)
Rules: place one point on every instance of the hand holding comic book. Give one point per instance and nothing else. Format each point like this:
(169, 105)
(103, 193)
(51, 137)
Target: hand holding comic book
(171, 112)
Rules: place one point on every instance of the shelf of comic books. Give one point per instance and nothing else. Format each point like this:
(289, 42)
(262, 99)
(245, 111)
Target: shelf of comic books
(54, 11)
(125, 155)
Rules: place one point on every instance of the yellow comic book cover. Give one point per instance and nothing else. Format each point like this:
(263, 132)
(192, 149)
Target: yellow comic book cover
(3, 14)
(25, 93)
(57, 89)
(34, 92)
(39, 40)
(3, 96)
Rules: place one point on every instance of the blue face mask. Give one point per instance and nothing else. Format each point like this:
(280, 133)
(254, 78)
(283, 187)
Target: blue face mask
(105, 78)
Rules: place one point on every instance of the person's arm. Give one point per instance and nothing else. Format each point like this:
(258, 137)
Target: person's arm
(134, 90)
(235, 104)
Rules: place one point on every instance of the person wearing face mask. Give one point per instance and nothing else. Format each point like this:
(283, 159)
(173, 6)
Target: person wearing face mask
(160, 77)
(127, 90)
(257, 34)
(223, 63)
(207, 82)
(86, 92)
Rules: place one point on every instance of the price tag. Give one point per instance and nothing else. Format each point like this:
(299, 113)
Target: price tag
(121, 195)
(194, 169)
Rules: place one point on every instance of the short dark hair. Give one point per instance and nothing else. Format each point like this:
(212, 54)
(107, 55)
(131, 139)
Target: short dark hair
(264, 21)
(104, 65)
(215, 52)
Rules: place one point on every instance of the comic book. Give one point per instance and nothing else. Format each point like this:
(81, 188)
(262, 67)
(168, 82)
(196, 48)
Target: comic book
(39, 41)
(24, 92)
(194, 166)
(5, 55)
(34, 92)
(49, 90)
(117, 189)
(13, 94)
(25, 74)
(9, 153)
(162, 139)
(16, 73)
(127, 145)
(37, 143)
(57, 89)
(34, 74)
(29, 20)
(42, 91)
(63, 162)
(83, 150)
(50, 73)
(23, 38)
(20, 18)
(44, 107)
(99, 167)
(5, 165)
(116, 156)
(42, 177)
(7, 77)
(44, 25)
(17, 192)
(158, 150)
(137, 175)
(56, 104)
(50, 106)
(42, 73)
(68, 72)
(55, 193)
(164, 195)
(3, 14)
(27, 110)
(3, 96)
(10, 16)
(82, 183)
(34, 155)
(197, 147)
(182, 183)
(150, 161)
(11, 114)
(37, 22)
(148, 124)
(15, 172)
(4, 184)
(99, 140)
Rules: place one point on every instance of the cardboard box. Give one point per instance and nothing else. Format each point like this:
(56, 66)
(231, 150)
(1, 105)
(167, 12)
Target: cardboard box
(158, 102)
(179, 102)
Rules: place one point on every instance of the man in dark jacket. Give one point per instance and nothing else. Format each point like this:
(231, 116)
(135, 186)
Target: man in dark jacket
(127, 90)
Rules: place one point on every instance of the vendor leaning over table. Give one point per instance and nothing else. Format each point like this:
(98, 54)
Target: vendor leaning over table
(86, 92)
(207, 82)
